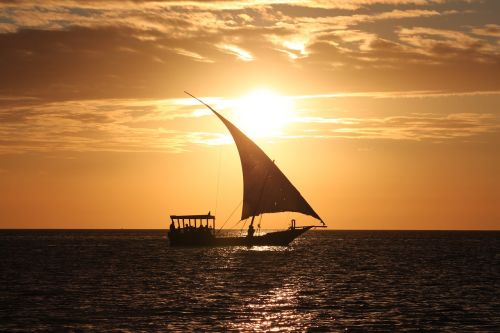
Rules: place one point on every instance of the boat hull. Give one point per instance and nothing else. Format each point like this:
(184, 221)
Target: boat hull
(278, 238)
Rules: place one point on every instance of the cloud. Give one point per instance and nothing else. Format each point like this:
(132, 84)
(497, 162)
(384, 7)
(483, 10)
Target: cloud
(66, 50)
(417, 127)
(7, 27)
(356, 4)
(90, 7)
(492, 30)
(237, 51)
(341, 22)
(192, 55)
(97, 125)
(401, 94)
(176, 125)
(312, 29)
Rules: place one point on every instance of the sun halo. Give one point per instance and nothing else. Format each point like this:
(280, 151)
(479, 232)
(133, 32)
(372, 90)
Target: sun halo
(262, 113)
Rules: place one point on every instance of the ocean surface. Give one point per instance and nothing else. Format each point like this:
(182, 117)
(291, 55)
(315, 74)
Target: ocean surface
(131, 280)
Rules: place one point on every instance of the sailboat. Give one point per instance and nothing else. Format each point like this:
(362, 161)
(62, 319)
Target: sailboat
(265, 190)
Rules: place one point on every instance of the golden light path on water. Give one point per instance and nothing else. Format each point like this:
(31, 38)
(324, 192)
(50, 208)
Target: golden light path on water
(277, 311)
(273, 309)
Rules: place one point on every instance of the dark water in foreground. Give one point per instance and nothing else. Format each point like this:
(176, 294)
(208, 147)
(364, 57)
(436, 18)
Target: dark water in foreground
(325, 281)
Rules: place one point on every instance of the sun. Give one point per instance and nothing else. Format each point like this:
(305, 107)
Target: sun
(262, 113)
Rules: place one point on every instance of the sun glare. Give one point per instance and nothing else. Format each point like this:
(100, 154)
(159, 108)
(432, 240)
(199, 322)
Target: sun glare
(262, 113)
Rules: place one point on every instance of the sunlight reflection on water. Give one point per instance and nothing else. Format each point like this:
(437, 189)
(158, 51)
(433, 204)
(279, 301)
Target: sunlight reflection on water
(275, 310)
(269, 248)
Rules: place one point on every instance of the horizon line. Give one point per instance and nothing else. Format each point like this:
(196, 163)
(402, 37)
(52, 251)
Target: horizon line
(166, 229)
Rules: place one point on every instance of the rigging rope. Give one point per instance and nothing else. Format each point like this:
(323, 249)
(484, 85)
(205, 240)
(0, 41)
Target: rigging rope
(260, 220)
(232, 213)
(218, 181)
(243, 226)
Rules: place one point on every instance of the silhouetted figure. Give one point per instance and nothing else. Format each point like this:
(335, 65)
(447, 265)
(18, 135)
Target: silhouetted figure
(251, 231)
(172, 227)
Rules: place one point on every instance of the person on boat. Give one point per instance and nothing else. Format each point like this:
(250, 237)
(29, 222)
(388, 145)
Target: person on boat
(251, 231)
(172, 227)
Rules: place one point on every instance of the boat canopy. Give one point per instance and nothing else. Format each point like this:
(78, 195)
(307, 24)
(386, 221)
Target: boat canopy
(192, 217)
(186, 220)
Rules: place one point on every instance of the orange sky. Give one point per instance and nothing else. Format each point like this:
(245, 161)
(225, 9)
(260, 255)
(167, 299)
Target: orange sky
(384, 114)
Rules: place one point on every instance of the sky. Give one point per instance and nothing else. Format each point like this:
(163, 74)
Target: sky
(385, 114)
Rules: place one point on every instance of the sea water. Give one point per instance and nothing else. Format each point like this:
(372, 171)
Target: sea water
(131, 280)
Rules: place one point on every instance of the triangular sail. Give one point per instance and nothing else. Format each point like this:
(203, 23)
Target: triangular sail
(265, 188)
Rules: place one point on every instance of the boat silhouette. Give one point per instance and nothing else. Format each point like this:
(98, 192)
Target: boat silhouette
(265, 190)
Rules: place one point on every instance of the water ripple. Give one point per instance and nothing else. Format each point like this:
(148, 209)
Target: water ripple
(325, 281)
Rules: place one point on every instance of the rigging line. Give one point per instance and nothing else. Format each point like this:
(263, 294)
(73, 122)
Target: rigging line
(218, 181)
(243, 226)
(235, 224)
(260, 220)
(232, 213)
(260, 198)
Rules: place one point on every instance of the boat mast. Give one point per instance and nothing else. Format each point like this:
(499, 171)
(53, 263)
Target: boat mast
(260, 198)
